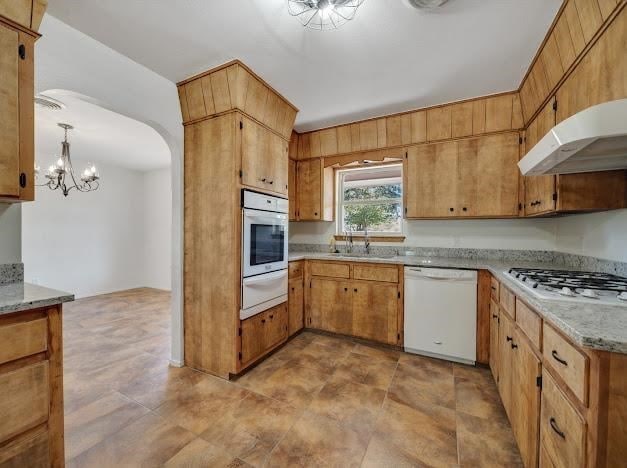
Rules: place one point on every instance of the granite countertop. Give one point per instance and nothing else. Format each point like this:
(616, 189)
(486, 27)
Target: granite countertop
(595, 326)
(16, 297)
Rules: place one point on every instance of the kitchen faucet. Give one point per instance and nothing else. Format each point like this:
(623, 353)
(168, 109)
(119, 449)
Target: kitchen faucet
(348, 237)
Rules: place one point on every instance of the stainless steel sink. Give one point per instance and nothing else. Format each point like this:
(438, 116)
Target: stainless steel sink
(362, 255)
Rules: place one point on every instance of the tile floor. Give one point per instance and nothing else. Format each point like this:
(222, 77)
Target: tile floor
(318, 401)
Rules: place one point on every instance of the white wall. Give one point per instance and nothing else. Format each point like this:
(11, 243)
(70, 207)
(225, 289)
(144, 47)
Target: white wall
(157, 225)
(517, 234)
(602, 235)
(87, 243)
(115, 238)
(10, 238)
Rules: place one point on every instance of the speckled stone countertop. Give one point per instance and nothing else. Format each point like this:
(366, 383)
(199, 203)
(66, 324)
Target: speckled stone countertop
(16, 297)
(594, 326)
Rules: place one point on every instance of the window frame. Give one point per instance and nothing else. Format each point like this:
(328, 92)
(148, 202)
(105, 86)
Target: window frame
(339, 197)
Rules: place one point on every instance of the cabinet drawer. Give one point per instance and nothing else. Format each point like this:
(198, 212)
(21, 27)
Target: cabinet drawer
(295, 269)
(375, 273)
(570, 364)
(23, 339)
(562, 429)
(32, 450)
(507, 301)
(25, 400)
(529, 322)
(494, 288)
(331, 269)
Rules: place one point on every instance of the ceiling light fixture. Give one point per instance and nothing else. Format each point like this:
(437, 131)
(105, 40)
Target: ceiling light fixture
(323, 14)
(62, 170)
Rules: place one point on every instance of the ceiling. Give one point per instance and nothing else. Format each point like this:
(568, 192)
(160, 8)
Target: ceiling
(390, 58)
(99, 136)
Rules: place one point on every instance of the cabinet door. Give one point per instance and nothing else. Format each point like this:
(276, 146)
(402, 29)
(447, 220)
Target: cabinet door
(506, 336)
(539, 190)
(375, 311)
(497, 175)
(309, 187)
(468, 187)
(295, 305)
(494, 339)
(276, 327)
(253, 338)
(331, 306)
(525, 413)
(291, 192)
(264, 158)
(431, 180)
(9, 113)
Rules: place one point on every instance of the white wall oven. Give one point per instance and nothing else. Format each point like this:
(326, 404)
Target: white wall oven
(264, 252)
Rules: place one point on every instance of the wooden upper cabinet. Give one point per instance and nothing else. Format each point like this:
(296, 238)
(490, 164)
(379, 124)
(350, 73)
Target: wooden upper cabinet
(462, 119)
(27, 13)
(314, 191)
(264, 158)
(439, 123)
(498, 113)
(235, 86)
(430, 180)
(17, 158)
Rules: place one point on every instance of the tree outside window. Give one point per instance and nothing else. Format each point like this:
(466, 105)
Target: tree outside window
(370, 199)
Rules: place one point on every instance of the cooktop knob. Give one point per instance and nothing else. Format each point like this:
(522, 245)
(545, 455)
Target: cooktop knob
(590, 293)
(623, 296)
(566, 291)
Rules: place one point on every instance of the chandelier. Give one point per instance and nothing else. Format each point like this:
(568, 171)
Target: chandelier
(323, 14)
(61, 175)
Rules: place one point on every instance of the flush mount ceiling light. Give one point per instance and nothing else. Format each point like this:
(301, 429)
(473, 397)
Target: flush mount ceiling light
(61, 175)
(425, 4)
(323, 14)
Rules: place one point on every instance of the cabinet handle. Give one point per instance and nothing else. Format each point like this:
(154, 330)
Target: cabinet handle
(262, 180)
(554, 426)
(494, 316)
(21, 51)
(492, 288)
(509, 338)
(558, 358)
(22, 180)
(514, 345)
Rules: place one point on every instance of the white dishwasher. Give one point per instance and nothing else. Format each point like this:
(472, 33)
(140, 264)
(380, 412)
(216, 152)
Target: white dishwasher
(441, 313)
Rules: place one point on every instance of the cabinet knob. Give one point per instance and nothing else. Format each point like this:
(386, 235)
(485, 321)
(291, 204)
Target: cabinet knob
(316, 213)
(465, 209)
(509, 338)
(272, 316)
(494, 316)
(451, 209)
(271, 182)
(263, 320)
(355, 289)
(514, 345)
(345, 289)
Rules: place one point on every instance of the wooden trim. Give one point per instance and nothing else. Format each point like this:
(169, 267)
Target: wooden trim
(245, 67)
(24, 29)
(372, 238)
(55, 418)
(483, 316)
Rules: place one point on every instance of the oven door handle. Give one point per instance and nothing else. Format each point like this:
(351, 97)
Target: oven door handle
(265, 278)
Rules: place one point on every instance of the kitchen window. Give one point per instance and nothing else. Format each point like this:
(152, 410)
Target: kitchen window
(370, 199)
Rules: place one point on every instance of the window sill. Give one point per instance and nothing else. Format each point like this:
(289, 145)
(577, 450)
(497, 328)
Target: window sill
(372, 238)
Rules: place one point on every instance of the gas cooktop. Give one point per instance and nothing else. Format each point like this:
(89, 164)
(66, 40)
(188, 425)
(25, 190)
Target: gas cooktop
(579, 286)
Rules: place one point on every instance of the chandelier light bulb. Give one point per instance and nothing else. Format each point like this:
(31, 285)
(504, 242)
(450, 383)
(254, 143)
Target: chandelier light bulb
(60, 163)
(51, 169)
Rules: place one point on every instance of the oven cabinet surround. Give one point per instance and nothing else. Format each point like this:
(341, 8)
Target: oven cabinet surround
(355, 299)
(237, 130)
(566, 404)
(17, 113)
(31, 385)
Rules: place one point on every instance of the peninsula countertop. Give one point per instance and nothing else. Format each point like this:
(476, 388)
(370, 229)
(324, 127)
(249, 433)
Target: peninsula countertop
(594, 326)
(16, 297)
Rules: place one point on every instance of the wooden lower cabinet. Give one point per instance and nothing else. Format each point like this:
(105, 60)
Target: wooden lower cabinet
(562, 429)
(295, 306)
(375, 311)
(31, 389)
(525, 401)
(494, 339)
(354, 307)
(506, 336)
(262, 333)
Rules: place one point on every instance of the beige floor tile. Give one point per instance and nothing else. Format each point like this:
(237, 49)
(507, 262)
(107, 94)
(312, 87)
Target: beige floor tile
(423, 380)
(374, 371)
(407, 435)
(377, 352)
(318, 441)
(201, 454)
(98, 420)
(149, 441)
(478, 396)
(319, 356)
(350, 403)
(251, 429)
(486, 442)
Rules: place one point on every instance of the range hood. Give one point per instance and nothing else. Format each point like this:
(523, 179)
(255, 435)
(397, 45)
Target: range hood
(594, 139)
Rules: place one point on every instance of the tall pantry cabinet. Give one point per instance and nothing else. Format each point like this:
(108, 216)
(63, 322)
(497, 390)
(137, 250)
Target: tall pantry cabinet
(19, 22)
(237, 131)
